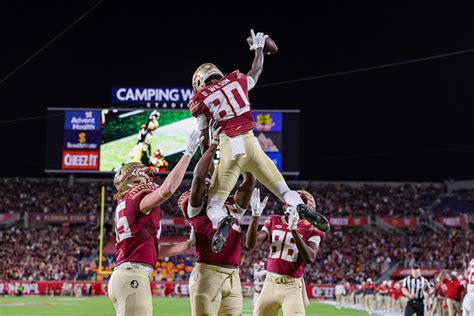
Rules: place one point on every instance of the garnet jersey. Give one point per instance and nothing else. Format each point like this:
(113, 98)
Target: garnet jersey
(284, 256)
(470, 277)
(202, 226)
(137, 234)
(226, 101)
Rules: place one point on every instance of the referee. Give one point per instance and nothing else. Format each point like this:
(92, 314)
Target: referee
(414, 287)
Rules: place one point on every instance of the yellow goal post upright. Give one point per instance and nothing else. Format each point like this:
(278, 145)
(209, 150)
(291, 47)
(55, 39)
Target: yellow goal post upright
(101, 239)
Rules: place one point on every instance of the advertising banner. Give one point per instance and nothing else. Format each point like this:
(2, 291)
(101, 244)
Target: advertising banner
(81, 149)
(268, 122)
(6, 218)
(81, 159)
(401, 222)
(128, 95)
(162, 289)
(349, 221)
(53, 287)
(321, 291)
(453, 221)
(426, 272)
(61, 218)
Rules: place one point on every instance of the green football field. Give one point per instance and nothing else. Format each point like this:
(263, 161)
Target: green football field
(100, 306)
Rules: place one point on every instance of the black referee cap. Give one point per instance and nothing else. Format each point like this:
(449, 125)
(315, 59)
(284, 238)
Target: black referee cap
(416, 266)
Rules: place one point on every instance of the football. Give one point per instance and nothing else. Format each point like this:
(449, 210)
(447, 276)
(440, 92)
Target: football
(270, 47)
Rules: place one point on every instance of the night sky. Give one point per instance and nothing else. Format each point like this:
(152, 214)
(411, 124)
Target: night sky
(411, 122)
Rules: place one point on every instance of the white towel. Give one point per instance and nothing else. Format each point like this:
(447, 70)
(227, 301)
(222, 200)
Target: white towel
(237, 146)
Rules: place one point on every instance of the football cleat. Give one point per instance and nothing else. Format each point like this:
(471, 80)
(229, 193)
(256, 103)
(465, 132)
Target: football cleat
(220, 236)
(315, 218)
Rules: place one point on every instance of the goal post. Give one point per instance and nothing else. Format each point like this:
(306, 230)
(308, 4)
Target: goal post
(101, 239)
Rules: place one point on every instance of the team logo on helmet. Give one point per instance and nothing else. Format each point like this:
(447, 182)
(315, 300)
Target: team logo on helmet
(134, 284)
(202, 73)
(131, 175)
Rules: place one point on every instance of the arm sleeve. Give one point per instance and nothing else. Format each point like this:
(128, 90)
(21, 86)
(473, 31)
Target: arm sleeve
(240, 209)
(250, 83)
(316, 236)
(315, 239)
(194, 211)
(202, 122)
(267, 226)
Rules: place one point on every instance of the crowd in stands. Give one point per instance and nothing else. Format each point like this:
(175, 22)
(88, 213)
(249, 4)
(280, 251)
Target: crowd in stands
(47, 253)
(70, 252)
(60, 196)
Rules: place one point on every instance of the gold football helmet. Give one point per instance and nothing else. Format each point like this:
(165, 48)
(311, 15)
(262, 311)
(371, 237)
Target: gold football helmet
(203, 73)
(130, 175)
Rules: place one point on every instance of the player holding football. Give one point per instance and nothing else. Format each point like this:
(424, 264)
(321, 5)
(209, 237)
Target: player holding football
(137, 228)
(225, 99)
(294, 243)
(468, 302)
(214, 285)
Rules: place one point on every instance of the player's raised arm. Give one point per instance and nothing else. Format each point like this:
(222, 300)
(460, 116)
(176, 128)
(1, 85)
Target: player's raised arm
(245, 191)
(258, 42)
(174, 178)
(308, 250)
(198, 185)
(203, 127)
(177, 248)
(254, 237)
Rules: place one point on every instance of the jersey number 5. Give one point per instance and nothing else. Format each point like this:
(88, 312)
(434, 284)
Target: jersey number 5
(286, 248)
(122, 228)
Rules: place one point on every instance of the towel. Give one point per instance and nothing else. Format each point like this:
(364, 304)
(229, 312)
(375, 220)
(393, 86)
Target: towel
(237, 146)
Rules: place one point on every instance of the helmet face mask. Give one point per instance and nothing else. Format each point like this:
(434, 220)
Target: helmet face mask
(203, 74)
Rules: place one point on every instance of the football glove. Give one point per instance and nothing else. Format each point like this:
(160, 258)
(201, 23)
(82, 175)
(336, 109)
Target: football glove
(293, 219)
(258, 40)
(215, 131)
(255, 204)
(193, 143)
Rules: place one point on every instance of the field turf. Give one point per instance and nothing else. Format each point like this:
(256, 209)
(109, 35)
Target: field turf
(101, 306)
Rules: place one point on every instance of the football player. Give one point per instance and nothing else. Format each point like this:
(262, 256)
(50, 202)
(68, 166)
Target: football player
(468, 302)
(259, 274)
(137, 227)
(214, 284)
(225, 99)
(294, 242)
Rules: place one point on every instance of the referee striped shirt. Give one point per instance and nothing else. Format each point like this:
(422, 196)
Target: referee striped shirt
(416, 286)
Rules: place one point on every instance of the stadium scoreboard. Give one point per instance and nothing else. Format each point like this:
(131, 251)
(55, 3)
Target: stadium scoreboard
(102, 140)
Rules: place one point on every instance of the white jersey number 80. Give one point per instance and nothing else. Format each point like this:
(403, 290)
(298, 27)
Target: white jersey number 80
(231, 99)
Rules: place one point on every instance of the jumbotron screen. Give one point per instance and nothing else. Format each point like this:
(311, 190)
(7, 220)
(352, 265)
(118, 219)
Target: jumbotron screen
(102, 140)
